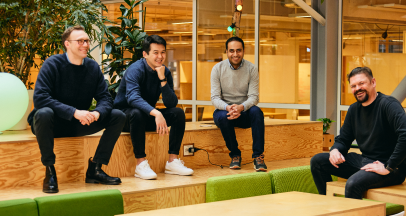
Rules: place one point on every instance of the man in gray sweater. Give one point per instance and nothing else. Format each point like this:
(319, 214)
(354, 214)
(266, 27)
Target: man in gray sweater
(234, 93)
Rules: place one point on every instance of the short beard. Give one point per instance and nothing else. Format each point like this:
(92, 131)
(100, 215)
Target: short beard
(365, 98)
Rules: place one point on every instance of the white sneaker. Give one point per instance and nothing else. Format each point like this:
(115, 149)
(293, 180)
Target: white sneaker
(144, 171)
(177, 167)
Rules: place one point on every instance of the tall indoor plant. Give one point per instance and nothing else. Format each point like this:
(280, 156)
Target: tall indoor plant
(32, 29)
(126, 37)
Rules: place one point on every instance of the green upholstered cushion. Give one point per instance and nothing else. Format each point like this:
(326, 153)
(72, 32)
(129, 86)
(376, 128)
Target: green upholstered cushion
(391, 208)
(19, 207)
(237, 186)
(293, 179)
(100, 203)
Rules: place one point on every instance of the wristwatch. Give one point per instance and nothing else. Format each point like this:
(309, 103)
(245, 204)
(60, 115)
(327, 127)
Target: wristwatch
(164, 79)
(389, 169)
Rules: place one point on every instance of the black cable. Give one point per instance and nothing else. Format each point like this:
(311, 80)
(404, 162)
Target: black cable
(208, 156)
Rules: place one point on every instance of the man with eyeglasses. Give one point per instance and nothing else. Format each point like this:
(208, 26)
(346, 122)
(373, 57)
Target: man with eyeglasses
(234, 93)
(378, 123)
(64, 90)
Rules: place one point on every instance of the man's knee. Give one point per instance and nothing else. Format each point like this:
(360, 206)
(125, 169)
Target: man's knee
(136, 115)
(178, 113)
(255, 111)
(44, 114)
(118, 115)
(220, 116)
(319, 159)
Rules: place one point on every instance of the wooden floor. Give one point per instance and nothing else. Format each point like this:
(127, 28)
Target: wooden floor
(141, 195)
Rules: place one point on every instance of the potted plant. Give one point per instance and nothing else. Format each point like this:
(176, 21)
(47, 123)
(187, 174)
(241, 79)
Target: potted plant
(127, 38)
(31, 30)
(328, 139)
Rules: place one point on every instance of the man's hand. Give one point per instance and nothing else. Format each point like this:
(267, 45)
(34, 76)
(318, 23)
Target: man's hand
(234, 111)
(84, 116)
(161, 127)
(376, 167)
(336, 158)
(96, 115)
(161, 72)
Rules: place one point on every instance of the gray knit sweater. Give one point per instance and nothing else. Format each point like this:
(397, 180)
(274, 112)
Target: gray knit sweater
(230, 86)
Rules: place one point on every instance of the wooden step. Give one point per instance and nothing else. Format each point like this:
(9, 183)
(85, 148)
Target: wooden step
(164, 192)
(392, 194)
(21, 165)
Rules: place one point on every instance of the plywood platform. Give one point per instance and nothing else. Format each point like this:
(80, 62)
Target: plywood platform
(141, 195)
(21, 165)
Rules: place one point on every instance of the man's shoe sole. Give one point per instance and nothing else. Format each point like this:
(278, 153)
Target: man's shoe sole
(175, 173)
(138, 176)
(50, 191)
(235, 167)
(94, 181)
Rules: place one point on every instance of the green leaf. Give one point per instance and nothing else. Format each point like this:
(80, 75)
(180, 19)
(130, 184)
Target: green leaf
(128, 2)
(127, 32)
(322, 1)
(108, 48)
(127, 22)
(118, 39)
(124, 10)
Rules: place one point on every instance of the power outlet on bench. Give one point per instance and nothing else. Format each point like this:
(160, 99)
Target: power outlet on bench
(186, 148)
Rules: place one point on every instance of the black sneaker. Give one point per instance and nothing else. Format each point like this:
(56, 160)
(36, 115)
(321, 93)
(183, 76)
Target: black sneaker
(235, 162)
(259, 164)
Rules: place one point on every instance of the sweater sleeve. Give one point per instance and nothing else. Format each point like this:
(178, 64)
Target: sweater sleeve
(343, 141)
(43, 93)
(218, 103)
(133, 91)
(253, 89)
(397, 118)
(103, 97)
(168, 94)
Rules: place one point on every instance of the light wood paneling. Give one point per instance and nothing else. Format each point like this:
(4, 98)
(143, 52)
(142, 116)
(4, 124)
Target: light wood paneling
(290, 203)
(138, 202)
(170, 198)
(21, 163)
(393, 194)
(284, 139)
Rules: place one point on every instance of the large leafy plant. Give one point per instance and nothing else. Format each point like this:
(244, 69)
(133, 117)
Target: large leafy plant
(124, 37)
(33, 29)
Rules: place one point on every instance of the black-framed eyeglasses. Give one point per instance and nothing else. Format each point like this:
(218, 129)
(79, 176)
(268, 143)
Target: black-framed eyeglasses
(81, 42)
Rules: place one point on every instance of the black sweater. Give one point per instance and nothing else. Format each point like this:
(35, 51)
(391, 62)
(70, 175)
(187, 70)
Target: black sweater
(65, 87)
(379, 128)
(140, 88)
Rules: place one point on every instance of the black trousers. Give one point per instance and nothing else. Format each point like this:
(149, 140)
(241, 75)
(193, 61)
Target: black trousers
(47, 126)
(358, 181)
(138, 122)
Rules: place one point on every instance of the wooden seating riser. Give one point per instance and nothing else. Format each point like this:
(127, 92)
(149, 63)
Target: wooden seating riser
(21, 165)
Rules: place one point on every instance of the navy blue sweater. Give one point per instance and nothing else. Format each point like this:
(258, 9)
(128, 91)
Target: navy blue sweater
(379, 128)
(140, 88)
(65, 87)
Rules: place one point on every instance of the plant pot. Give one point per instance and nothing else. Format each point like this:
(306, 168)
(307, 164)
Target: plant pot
(328, 141)
(23, 124)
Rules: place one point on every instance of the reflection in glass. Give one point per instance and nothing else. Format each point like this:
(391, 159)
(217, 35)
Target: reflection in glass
(284, 54)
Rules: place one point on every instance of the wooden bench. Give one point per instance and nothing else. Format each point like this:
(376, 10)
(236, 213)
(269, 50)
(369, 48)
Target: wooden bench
(393, 194)
(21, 165)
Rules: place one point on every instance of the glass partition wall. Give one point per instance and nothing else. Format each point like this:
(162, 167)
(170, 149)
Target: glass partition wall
(283, 50)
(373, 36)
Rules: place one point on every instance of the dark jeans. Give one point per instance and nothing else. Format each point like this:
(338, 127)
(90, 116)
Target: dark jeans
(138, 122)
(358, 181)
(47, 126)
(254, 118)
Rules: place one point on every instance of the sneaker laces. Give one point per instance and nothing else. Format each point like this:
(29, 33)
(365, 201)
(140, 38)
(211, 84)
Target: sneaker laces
(236, 159)
(180, 162)
(145, 165)
(260, 159)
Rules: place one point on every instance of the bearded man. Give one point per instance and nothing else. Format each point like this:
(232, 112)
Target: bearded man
(378, 123)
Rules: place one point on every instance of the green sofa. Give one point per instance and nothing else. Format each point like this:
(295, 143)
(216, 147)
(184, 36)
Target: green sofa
(237, 186)
(100, 203)
(19, 207)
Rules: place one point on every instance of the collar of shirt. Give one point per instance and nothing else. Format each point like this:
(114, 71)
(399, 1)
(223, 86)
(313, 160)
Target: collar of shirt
(149, 69)
(232, 68)
(83, 60)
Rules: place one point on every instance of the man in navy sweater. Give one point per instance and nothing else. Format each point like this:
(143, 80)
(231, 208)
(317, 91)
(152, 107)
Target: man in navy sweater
(378, 123)
(137, 96)
(65, 88)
